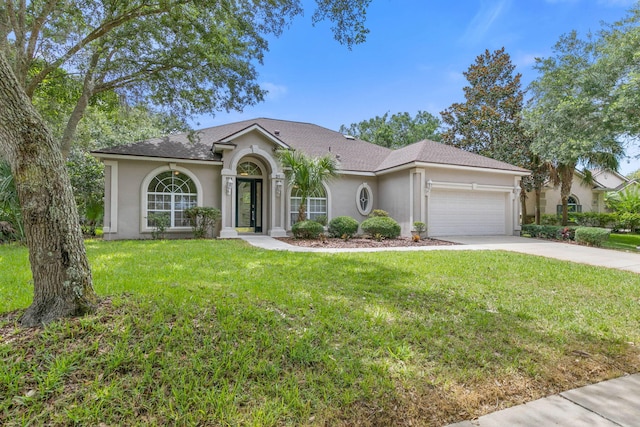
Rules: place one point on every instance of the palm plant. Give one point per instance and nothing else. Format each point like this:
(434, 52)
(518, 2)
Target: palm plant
(307, 174)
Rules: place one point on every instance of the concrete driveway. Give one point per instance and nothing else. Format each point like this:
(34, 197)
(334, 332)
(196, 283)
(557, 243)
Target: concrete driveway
(564, 251)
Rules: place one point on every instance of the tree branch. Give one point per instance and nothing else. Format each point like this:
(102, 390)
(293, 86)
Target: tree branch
(37, 26)
(103, 29)
(88, 90)
(125, 80)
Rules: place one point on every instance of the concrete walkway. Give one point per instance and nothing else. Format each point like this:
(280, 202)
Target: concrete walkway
(610, 403)
(563, 251)
(606, 404)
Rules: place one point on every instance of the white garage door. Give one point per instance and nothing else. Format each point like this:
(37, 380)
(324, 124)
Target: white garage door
(466, 213)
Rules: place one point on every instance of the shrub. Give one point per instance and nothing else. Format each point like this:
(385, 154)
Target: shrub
(594, 219)
(383, 226)
(159, 222)
(419, 226)
(627, 221)
(550, 219)
(550, 232)
(307, 229)
(321, 219)
(203, 219)
(592, 236)
(343, 226)
(378, 213)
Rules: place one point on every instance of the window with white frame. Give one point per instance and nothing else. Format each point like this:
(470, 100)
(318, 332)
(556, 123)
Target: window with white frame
(170, 193)
(364, 199)
(316, 205)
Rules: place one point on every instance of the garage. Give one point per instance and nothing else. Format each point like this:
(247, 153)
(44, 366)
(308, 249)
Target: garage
(460, 213)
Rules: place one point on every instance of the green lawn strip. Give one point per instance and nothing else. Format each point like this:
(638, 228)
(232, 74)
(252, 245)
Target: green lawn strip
(626, 242)
(216, 332)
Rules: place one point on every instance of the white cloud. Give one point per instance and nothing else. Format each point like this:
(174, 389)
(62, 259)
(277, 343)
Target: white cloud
(275, 92)
(484, 19)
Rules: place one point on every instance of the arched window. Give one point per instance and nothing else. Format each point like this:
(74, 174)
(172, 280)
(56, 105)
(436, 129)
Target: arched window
(573, 205)
(316, 205)
(170, 193)
(364, 199)
(248, 169)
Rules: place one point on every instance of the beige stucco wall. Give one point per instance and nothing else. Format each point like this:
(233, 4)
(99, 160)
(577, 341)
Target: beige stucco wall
(344, 192)
(591, 201)
(394, 197)
(131, 174)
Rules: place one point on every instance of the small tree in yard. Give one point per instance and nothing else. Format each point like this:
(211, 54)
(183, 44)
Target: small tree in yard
(307, 174)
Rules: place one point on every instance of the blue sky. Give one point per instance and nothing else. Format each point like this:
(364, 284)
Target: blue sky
(413, 58)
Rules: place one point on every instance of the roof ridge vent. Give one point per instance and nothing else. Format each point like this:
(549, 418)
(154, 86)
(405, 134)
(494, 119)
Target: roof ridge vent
(351, 137)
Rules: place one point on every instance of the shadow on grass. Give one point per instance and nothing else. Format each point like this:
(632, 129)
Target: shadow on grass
(221, 333)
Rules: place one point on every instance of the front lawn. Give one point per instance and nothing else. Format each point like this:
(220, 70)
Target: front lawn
(627, 242)
(219, 333)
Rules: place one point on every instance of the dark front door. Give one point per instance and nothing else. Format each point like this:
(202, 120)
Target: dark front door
(249, 205)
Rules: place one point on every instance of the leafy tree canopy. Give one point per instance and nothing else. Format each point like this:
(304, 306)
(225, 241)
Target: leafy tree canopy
(567, 114)
(190, 56)
(396, 130)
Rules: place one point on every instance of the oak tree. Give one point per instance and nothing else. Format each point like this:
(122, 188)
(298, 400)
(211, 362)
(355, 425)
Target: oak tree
(188, 56)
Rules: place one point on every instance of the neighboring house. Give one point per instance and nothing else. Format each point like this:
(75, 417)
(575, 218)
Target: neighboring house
(584, 197)
(234, 167)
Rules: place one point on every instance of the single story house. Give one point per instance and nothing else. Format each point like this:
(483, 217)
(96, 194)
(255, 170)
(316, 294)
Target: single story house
(234, 167)
(586, 195)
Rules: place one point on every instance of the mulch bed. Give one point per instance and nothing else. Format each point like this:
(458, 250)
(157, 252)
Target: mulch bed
(363, 243)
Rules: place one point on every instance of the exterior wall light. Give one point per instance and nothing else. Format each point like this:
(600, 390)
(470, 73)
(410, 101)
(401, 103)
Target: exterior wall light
(229, 185)
(279, 187)
(428, 186)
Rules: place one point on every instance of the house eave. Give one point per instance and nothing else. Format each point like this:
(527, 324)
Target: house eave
(255, 127)
(111, 156)
(412, 165)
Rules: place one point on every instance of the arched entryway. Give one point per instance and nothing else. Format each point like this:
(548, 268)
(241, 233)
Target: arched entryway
(249, 196)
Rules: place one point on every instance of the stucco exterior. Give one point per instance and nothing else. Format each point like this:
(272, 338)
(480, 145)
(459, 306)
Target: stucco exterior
(235, 169)
(588, 196)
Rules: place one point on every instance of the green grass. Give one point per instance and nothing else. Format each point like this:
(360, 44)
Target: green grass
(626, 242)
(219, 333)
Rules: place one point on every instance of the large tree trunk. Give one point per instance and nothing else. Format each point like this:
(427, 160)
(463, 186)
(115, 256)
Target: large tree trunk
(61, 274)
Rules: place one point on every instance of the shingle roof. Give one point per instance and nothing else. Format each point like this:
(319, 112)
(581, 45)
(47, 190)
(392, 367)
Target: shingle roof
(314, 140)
(352, 154)
(434, 152)
(173, 146)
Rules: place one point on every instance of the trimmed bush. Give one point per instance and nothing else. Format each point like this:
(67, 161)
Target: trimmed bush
(307, 230)
(378, 212)
(381, 226)
(594, 219)
(343, 226)
(550, 219)
(550, 232)
(592, 236)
